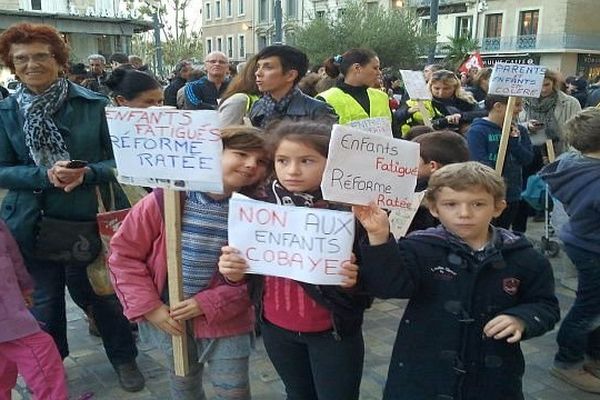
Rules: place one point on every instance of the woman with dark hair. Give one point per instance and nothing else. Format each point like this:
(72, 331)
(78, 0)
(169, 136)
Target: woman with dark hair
(241, 93)
(481, 84)
(44, 126)
(182, 75)
(132, 88)
(354, 98)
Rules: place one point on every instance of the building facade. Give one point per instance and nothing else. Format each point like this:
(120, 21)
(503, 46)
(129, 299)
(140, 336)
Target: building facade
(560, 34)
(88, 26)
(241, 28)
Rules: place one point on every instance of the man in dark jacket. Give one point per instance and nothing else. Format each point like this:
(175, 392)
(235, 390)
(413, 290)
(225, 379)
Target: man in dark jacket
(279, 69)
(593, 98)
(182, 74)
(204, 94)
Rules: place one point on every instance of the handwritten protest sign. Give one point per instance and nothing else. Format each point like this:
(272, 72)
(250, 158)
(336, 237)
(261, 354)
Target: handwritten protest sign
(415, 85)
(168, 148)
(300, 243)
(378, 126)
(362, 167)
(401, 218)
(518, 80)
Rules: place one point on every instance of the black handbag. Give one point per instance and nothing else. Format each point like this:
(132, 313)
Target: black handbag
(66, 241)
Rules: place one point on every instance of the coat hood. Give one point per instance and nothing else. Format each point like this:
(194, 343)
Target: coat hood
(568, 176)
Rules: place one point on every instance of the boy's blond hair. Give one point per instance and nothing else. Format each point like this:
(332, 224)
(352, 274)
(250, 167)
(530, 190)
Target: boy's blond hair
(583, 130)
(466, 176)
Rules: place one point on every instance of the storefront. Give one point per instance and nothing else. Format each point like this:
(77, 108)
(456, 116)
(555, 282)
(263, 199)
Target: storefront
(588, 66)
(490, 59)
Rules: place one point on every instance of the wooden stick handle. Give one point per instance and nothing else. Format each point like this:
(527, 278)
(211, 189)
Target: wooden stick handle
(506, 127)
(424, 113)
(172, 215)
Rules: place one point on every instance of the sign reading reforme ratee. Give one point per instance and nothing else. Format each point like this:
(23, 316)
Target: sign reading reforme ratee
(362, 167)
(159, 147)
(415, 85)
(517, 80)
(300, 243)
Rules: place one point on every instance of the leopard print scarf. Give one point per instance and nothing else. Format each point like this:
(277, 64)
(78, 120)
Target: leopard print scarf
(42, 137)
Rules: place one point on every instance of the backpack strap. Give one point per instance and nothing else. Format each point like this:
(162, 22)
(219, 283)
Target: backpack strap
(159, 195)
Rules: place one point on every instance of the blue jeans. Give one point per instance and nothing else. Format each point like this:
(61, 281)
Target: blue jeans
(315, 366)
(49, 309)
(579, 333)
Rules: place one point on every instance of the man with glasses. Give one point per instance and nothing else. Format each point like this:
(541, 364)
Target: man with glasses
(204, 93)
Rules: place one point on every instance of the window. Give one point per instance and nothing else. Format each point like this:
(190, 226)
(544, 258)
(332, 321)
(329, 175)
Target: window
(290, 38)
(217, 9)
(463, 26)
(241, 8)
(292, 8)
(426, 25)
(242, 46)
(528, 22)
(229, 7)
(320, 14)
(493, 26)
(207, 13)
(263, 10)
(230, 46)
(371, 7)
(36, 4)
(219, 44)
(209, 46)
(262, 42)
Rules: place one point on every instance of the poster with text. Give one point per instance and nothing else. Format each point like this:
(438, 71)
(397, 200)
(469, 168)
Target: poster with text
(415, 85)
(173, 149)
(362, 167)
(401, 218)
(517, 80)
(300, 243)
(377, 126)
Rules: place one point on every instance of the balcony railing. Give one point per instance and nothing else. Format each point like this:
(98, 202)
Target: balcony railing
(427, 3)
(540, 42)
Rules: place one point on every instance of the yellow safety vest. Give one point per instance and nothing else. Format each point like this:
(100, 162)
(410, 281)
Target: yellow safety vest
(417, 118)
(348, 109)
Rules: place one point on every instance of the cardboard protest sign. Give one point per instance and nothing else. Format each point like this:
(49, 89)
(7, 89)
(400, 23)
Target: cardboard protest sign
(518, 80)
(401, 218)
(362, 167)
(175, 149)
(378, 126)
(415, 85)
(300, 243)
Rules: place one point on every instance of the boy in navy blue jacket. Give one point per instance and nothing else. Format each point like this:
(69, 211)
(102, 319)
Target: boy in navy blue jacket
(475, 291)
(575, 181)
(483, 138)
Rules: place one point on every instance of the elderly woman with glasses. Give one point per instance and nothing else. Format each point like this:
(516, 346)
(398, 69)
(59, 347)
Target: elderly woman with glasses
(45, 125)
(451, 106)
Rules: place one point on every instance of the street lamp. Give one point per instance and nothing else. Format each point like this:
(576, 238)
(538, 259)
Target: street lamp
(278, 22)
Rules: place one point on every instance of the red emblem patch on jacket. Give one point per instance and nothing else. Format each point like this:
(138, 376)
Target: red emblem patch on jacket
(511, 285)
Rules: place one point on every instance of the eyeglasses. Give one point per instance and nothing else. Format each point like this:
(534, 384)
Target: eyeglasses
(222, 62)
(37, 58)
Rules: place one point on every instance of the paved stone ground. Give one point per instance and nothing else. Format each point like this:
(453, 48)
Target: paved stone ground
(91, 376)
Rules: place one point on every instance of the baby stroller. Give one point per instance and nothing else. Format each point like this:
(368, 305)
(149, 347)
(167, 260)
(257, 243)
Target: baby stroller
(537, 196)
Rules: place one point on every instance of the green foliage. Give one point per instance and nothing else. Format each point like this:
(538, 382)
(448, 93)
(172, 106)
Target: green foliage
(457, 51)
(393, 34)
(176, 42)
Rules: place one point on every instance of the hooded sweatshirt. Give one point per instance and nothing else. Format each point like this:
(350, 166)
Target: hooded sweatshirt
(483, 138)
(575, 181)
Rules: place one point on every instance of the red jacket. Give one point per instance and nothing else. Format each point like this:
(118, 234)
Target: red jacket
(138, 271)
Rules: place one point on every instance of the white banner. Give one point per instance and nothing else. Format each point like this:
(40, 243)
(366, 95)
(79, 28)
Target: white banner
(401, 218)
(415, 85)
(174, 149)
(300, 243)
(378, 126)
(362, 167)
(517, 80)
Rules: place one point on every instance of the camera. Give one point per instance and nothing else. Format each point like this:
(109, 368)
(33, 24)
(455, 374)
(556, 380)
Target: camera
(440, 123)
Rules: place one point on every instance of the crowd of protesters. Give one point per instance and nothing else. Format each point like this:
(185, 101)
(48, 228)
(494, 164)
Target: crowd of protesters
(489, 289)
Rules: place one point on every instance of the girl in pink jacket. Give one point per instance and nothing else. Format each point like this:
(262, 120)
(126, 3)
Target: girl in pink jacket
(219, 314)
(24, 347)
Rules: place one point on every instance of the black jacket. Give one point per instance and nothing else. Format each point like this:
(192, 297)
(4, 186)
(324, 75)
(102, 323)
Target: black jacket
(440, 350)
(171, 91)
(301, 107)
(593, 97)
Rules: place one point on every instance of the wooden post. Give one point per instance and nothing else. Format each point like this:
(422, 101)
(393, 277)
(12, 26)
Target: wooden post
(506, 127)
(172, 214)
(424, 113)
(550, 149)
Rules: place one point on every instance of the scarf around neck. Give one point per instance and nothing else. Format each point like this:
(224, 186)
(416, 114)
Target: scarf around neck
(542, 109)
(42, 137)
(275, 109)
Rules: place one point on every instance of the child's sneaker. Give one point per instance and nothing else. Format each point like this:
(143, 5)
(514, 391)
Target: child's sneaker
(578, 377)
(593, 367)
